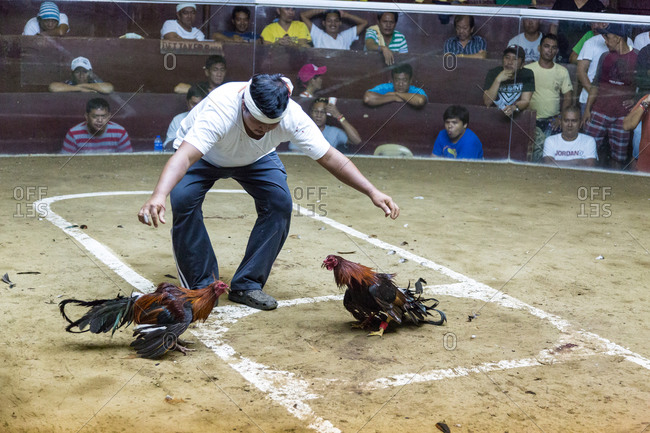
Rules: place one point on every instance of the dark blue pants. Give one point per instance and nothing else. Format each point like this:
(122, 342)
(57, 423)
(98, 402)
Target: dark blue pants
(266, 181)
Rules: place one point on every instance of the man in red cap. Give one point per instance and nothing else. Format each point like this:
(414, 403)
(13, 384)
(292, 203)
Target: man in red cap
(310, 77)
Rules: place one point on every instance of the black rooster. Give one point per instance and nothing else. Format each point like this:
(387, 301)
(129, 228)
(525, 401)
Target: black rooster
(373, 297)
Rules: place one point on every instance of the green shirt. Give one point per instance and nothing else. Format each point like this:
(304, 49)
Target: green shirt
(582, 41)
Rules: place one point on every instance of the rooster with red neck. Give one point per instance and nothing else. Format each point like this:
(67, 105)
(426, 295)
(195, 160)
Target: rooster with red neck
(160, 317)
(373, 298)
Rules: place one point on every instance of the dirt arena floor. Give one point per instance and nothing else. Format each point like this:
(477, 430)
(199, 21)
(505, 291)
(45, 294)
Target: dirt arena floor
(554, 263)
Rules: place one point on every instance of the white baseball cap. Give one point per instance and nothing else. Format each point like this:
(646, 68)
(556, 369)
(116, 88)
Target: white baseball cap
(81, 62)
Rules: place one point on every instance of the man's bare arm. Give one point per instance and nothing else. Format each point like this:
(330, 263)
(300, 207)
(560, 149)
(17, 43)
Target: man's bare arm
(414, 99)
(373, 98)
(172, 173)
(344, 170)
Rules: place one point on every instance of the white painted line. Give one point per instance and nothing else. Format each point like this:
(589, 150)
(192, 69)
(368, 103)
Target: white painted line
(453, 373)
(469, 288)
(291, 392)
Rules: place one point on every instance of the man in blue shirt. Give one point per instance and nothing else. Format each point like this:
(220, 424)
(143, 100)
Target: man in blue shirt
(400, 90)
(456, 141)
(240, 19)
(466, 43)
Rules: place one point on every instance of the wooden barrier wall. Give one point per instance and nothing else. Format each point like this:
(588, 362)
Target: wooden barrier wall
(29, 64)
(424, 32)
(37, 123)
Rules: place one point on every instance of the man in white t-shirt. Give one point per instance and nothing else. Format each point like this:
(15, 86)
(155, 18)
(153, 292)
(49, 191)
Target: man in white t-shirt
(529, 40)
(570, 147)
(233, 133)
(331, 36)
(49, 22)
(182, 27)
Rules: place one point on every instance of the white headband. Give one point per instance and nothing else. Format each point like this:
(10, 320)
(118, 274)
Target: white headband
(255, 111)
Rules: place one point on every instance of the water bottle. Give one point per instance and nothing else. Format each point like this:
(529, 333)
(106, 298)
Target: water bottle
(158, 144)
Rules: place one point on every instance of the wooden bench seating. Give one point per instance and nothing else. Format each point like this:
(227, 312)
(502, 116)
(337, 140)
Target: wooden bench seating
(37, 122)
(424, 31)
(29, 64)
(417, 129)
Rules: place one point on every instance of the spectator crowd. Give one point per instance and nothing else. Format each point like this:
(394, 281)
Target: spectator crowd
(588, 83)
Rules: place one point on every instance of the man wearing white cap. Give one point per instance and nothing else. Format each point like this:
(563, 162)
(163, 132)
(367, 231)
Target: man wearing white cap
(48, 22)
(83, 79)
(182, 27)
(233, 133)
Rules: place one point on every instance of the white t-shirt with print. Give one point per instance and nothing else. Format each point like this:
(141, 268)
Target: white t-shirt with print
(583, 147)
(172, 26)
(531, 48)
(216, 128)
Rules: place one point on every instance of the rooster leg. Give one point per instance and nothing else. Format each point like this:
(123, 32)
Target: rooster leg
(382, 328)
(363, 324)
(184, 342)
(183, 349)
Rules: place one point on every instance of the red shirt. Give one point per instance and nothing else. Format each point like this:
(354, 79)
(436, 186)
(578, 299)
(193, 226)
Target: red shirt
(616, 83)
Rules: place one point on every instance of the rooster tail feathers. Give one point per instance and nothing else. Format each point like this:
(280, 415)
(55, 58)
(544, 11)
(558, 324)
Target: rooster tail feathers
(103, 315)
(443, 318)
(417, 308)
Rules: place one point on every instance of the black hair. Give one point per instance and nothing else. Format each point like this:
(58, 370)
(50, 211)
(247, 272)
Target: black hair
(213, 60)
(456, 112)
(572, 108)
(550, 36)
(457, 18)
(238, 9)
(270, 93)
(318, 101)
(380, 14)
(194, 91)
(97, 104)
(332, 11)
(403, 68)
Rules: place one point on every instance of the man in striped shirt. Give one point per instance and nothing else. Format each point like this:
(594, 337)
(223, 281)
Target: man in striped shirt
(466, 43)
(97, 134)
(384, 38)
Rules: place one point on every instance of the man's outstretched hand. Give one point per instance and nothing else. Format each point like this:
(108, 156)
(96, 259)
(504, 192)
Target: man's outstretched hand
(152, 211)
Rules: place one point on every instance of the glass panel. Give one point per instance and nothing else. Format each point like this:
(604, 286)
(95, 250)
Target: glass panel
(145, 73)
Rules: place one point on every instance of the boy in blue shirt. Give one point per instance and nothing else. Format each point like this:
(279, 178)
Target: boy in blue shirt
(456, 141)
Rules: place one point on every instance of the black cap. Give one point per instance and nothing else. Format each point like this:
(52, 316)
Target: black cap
(516, 50)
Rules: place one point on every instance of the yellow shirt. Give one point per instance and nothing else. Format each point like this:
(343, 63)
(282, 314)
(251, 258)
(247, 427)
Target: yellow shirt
(550, 84)
(297, 30)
